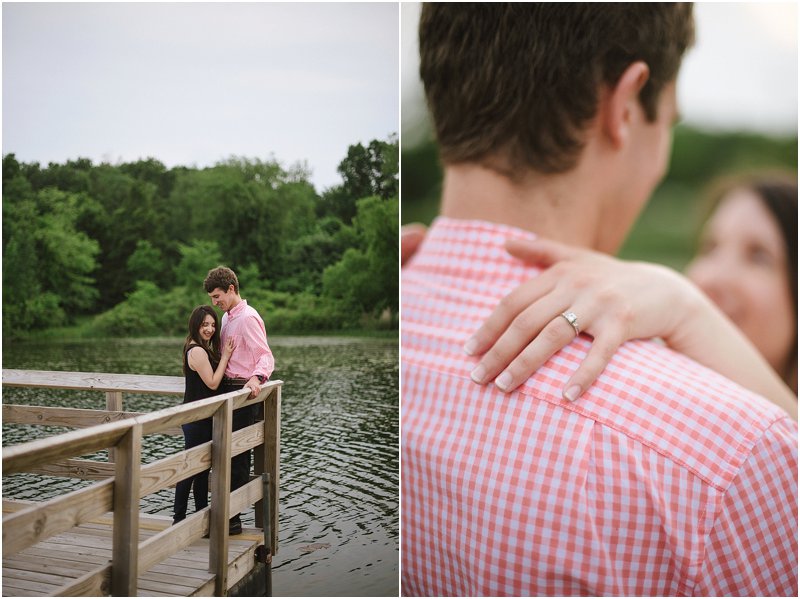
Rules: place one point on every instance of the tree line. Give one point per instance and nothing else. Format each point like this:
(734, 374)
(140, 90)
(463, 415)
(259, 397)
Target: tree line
(129, 244)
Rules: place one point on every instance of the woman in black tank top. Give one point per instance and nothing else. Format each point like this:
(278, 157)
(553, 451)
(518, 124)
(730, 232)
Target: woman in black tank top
(203, 368)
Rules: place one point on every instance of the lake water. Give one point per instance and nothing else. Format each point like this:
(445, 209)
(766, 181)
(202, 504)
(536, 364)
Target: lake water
(339, 489)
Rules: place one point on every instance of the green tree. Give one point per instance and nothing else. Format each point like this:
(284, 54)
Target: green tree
(197, 258)
(67, 256)
(366, 277)
(135, 240)
(146, 262)
(47, 262)
(309, 255)
(370, 170)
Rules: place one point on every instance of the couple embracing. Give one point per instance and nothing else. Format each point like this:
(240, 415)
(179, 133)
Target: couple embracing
(216, 360)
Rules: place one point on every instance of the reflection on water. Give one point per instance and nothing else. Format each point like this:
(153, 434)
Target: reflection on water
(339, 449)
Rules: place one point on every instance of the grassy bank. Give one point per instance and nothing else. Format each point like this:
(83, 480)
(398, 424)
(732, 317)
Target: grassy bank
(83, 329)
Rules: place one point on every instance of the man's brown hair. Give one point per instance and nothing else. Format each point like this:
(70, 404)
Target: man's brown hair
(221, 277)
(520, 82)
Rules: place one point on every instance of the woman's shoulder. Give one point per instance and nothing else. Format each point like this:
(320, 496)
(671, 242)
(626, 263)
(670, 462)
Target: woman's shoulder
(196, 350)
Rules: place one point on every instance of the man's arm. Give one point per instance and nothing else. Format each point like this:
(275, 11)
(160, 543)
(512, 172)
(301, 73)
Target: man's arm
(752, 548)
(255, 338)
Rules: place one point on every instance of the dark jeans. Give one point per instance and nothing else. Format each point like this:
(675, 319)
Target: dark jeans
(194, 434)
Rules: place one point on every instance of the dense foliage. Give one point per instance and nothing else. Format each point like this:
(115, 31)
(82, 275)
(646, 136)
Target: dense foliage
(131, 243)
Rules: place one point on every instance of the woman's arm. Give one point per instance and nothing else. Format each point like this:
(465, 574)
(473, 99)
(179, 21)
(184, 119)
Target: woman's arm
(615, 301)
(198, 361)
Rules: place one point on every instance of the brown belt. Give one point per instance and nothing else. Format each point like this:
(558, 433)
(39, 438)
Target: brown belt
(234, 381)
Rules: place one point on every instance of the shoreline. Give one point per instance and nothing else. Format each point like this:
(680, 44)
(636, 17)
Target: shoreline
(81, 332)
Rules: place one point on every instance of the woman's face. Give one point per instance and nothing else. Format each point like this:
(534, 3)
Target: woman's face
(742, 267)
(207, 328)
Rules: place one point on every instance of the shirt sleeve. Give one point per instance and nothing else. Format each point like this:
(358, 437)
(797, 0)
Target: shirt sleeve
(255, 337)
(752, 548)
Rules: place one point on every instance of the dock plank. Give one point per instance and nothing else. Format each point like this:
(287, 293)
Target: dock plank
(64, 559)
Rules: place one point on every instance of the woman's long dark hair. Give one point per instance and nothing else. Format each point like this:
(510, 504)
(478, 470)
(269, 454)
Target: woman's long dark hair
(212, 346)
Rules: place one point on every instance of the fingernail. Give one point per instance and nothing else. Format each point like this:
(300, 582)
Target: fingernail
(470, 346)
(503, 381)
(478, 374)
(572, 393)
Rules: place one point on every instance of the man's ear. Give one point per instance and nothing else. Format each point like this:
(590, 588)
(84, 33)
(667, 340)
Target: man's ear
(622, 102)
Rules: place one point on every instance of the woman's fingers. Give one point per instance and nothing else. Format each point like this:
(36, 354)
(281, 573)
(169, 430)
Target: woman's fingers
(557, 334)
(527, 327)
(553, 337)
(600, 353)
(542, 252)
(510, 308)
(530, 335)
(410, 238)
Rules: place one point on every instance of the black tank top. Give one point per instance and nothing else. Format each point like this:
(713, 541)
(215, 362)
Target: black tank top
(195, 387)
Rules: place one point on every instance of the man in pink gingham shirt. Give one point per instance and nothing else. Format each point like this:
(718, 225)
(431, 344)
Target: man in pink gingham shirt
(252, 357)
(250, 365)
(664, 478)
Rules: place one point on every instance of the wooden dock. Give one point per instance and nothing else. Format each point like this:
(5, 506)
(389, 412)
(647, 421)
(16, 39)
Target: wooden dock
(93, 541)
(48, 566)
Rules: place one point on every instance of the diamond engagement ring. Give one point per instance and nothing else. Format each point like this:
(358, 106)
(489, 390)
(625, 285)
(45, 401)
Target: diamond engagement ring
(572, 319)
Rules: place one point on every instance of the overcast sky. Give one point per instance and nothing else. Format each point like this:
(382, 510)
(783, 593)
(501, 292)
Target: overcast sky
(741, 73)
(194, 83)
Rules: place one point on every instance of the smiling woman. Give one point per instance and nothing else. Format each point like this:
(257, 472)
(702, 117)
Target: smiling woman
(747, 264)
(203, 366)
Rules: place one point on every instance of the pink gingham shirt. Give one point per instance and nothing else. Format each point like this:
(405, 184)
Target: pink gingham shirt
(251, 354)
(664, 478)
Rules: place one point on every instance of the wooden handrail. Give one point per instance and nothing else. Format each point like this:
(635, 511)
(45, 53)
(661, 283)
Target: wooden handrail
(41, 520)
(28, 524)
(97, 381)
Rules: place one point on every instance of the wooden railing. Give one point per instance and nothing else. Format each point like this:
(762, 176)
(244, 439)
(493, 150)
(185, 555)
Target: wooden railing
(124, 479)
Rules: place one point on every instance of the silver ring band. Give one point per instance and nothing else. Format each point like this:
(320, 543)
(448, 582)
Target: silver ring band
(572, 319)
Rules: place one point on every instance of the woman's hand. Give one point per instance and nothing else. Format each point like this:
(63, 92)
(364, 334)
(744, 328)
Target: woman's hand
(614, 301)
(227, 350)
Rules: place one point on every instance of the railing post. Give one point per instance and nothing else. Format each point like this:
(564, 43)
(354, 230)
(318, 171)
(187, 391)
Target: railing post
(265, 480)
(125, 556)
(259, 462)
(220, 496)
(272, 455)
(113, 404)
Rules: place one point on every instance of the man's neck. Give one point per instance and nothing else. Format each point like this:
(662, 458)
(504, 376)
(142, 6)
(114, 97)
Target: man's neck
(558, 207)
(237, 300)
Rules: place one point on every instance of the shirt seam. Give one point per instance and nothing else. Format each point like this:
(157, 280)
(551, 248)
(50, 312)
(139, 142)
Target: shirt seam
(631, 435)
(720, 501)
